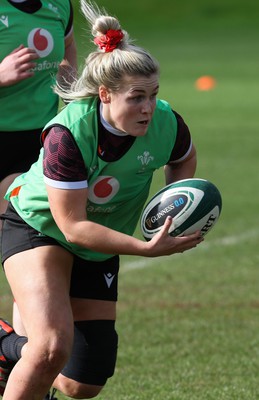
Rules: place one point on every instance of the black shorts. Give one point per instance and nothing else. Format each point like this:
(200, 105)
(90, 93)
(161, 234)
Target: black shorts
(24, 150)
(89, 279)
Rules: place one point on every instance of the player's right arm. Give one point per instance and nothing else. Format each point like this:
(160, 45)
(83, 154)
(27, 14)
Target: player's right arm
(68, 208)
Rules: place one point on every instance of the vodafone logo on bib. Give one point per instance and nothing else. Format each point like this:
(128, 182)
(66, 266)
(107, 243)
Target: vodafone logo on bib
(41, 41)
(103, 189)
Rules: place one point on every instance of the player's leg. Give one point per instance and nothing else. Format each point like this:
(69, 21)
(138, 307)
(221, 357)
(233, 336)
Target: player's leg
(39, 279)
(86, 379)
(17, 322)
(93, 357)
(93, 289)
(19, 329)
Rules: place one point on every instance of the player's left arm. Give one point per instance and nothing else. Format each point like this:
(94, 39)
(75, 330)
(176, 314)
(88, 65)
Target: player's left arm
(68, 67)
(184, 169)
(183, 159)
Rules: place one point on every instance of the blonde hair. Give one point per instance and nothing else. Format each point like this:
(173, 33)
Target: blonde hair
(107, 68)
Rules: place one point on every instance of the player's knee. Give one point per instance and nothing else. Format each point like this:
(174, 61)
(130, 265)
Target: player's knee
(76, 390)
(83, 391)
(51, 353)
(57, 355)
(94, 353)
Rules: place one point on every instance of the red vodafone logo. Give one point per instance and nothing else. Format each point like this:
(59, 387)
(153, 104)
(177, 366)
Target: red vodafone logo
(103, 189)
(41, 41)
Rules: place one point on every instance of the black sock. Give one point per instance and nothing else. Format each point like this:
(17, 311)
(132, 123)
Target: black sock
(11, 346)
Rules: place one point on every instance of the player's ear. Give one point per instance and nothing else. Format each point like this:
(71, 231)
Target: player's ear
(104, 95)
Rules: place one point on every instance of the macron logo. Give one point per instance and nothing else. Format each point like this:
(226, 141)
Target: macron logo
(109, 278)
(4, 20)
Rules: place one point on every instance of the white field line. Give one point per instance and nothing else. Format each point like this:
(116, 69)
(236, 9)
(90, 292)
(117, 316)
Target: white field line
(127, 266)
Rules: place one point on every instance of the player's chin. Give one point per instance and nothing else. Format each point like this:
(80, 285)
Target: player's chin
(140, 130)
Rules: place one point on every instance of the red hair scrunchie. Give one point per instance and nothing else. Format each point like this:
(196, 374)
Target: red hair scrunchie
(110, 40)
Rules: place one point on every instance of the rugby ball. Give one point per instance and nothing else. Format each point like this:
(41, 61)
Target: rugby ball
(194, 204)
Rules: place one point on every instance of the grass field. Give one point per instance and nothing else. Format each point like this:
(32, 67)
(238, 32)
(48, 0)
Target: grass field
(189, 324)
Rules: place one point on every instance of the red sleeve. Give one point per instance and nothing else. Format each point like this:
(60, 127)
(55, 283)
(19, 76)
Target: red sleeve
(62, 159)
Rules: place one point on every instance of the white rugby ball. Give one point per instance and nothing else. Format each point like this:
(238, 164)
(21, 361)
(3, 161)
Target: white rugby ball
(194, 204)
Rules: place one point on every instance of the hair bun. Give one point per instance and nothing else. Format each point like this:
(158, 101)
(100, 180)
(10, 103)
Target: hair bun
(109, 41)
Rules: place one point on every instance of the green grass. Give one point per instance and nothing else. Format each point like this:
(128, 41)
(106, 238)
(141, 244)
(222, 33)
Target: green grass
(189, 323)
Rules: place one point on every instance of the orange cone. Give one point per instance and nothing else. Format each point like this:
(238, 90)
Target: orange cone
(205, 82)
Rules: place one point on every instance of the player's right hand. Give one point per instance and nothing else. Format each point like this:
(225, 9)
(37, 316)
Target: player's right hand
(162, 244)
